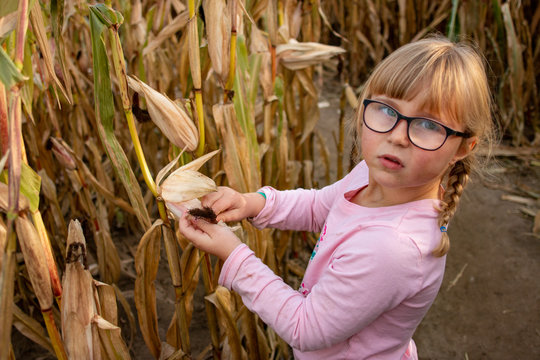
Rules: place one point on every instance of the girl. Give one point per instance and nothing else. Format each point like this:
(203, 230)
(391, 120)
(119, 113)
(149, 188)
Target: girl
(380, 258)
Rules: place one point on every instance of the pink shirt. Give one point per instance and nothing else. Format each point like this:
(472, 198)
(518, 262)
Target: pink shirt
(370, 281)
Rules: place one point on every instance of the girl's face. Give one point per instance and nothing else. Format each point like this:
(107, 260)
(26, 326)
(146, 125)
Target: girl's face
(396, 164)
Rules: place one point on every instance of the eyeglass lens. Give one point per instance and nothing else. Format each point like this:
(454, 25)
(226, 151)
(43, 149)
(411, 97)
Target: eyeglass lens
(424, 133)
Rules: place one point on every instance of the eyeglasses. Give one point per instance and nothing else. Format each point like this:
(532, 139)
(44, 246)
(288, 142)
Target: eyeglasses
(424, 133)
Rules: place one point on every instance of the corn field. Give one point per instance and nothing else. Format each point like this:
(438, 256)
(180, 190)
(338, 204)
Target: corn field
(113, 113)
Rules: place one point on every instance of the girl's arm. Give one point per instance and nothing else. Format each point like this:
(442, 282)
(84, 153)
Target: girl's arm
(303, 209)
(298, 209)
(366, 277)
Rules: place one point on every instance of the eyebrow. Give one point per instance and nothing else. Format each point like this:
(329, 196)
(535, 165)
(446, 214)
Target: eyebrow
(390, 102)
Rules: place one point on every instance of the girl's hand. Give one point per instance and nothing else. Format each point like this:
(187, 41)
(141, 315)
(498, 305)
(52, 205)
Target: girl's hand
(230, 205)
(214, 239)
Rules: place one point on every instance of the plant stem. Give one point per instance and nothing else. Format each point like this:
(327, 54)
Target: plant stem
(195, 67)
(56, 340)
(119, 67)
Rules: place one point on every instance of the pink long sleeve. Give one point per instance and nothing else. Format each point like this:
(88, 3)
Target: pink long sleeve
(369, 282)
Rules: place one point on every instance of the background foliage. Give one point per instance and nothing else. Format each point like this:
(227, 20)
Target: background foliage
(78, 143)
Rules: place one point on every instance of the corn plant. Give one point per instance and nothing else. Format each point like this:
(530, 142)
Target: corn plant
(115, 115)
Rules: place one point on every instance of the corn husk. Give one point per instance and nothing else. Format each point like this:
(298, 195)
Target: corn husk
(299, 55)
(78, 302)
(36, 264)
(61, 151)
(218, 30)
(260, 44)
(171, 119)
(351, 96)
(186, 185)
(138, 24)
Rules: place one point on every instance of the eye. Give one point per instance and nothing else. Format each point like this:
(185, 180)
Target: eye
(387, 110)
(428, 125)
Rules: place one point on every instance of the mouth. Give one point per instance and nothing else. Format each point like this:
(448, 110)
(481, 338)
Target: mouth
(391, 162)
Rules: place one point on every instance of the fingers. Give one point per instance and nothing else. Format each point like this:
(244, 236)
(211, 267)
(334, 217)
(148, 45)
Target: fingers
(191, 230)
(209, 199)
(232, 215)
(214, 239)
(226, 203)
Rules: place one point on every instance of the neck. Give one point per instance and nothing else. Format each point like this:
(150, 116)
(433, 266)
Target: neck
(375, 195)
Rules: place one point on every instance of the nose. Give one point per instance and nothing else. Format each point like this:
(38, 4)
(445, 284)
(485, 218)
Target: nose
(398, 135)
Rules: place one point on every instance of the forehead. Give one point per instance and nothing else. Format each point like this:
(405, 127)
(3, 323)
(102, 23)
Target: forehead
(426, 98)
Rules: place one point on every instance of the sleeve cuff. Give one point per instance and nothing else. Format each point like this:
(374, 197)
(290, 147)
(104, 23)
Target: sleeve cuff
(261, 221)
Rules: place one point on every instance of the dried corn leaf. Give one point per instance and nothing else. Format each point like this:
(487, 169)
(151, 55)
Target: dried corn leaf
(352, 99)
(146, 265)
(36, 18)
(138, 24)
(218, 30)
(171, 119)
(57, 23)
(111, 339)
(178, 23)
(31, 328)
(7, 284)
(298, 55)
(36, 265)
(235, 153)
(311, 118)
(515, 65)
(178, 333)
(48, 253)
(7, 23)
(221, 298)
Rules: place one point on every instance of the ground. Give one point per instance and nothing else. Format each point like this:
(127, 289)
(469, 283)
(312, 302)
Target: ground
(489, 303)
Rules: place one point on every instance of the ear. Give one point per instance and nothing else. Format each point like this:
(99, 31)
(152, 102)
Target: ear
(467, 146)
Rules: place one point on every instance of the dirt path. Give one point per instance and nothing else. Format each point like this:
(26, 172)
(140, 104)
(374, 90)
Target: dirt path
(489, 303)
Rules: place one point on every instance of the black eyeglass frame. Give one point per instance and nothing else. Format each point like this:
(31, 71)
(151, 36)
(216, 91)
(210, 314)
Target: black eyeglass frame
(408, 119)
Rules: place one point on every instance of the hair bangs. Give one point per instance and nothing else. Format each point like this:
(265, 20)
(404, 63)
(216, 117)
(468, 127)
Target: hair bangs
(433, 74)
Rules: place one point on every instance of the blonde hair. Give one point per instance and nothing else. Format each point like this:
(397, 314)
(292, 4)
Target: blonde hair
(450, 80)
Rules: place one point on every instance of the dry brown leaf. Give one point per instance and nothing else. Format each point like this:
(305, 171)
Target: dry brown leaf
(298, 55)
(218, 30)
(38, 272)
(172, 120)
(146, 265)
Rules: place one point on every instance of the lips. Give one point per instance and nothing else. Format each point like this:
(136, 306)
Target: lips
(391, 162)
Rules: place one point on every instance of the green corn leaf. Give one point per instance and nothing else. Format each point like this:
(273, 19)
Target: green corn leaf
(100, 18)
(30, 186)
(9, 75)
(452, 26)
(27, 91)
(8, 6)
